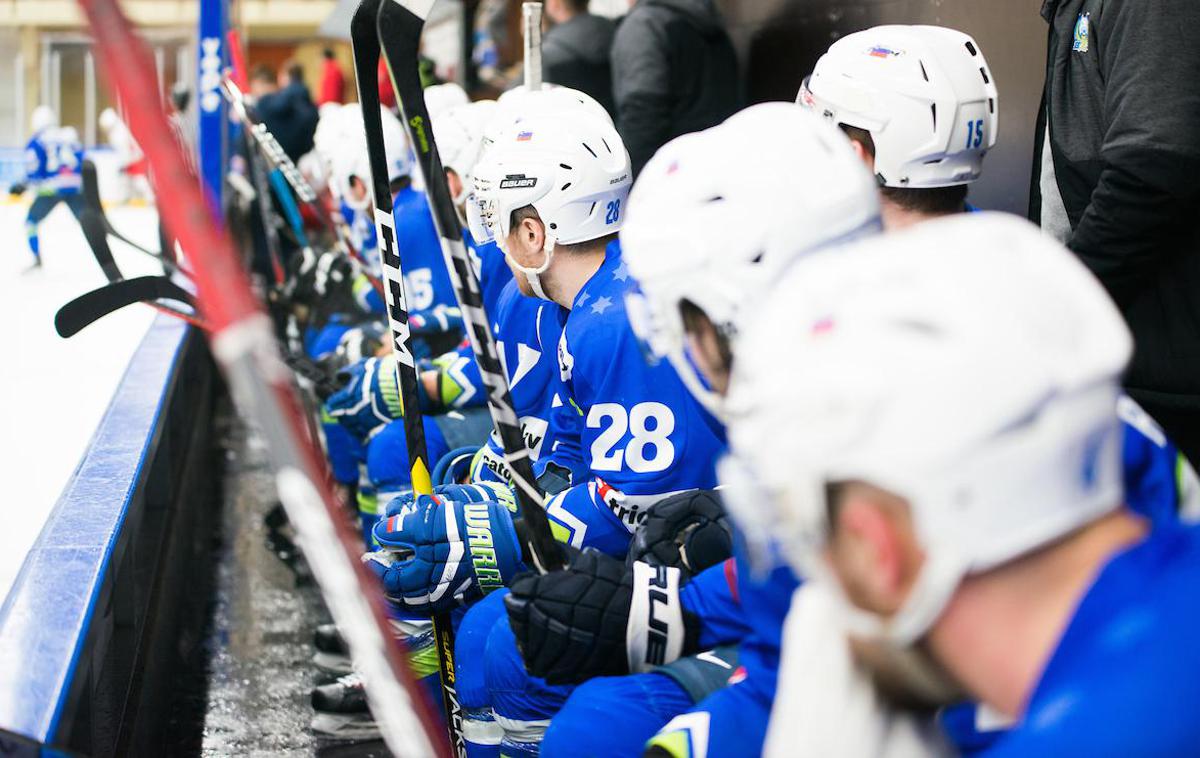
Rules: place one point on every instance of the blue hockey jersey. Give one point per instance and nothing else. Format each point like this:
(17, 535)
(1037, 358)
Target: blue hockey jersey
(641, 434)
(54, 162)
(527, 331)
(426, 280)
(1125, 676)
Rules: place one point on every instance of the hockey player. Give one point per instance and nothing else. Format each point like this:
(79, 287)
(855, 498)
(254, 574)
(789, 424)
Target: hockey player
(983, 546)
(803, 189)
(921, 107)
(53, 167)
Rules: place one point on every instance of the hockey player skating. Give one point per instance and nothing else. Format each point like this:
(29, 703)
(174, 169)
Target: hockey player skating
(981, 550)
(53, 165)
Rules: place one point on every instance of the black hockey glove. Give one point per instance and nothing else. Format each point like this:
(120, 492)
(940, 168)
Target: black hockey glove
(599, 617)
(688, 531)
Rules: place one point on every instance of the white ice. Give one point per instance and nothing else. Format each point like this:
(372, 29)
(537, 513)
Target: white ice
(53, 392)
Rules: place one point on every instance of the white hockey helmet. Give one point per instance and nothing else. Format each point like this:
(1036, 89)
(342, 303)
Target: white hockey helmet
(459, 135)
(925, 94)
(570, 166)
(440, 98)
(43, 118)
(970, 365)
(715, 224)
(108, 119)
(520, 103)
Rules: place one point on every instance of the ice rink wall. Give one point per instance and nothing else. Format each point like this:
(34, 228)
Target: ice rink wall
(110, 601)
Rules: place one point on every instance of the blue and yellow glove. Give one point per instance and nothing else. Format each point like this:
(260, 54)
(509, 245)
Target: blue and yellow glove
(369, 398)
(436, 554)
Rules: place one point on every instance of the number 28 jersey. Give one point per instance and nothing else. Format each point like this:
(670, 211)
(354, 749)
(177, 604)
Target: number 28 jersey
(640, 432)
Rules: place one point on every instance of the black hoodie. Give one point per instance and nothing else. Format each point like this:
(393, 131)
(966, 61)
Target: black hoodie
(575, 54)
(674, 71)
(1122, 100)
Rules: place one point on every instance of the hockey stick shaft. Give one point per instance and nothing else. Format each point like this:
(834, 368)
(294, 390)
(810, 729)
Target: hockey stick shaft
(244, 346)
(531, 16)
(91, 199)
(365, 43)
(400, 26)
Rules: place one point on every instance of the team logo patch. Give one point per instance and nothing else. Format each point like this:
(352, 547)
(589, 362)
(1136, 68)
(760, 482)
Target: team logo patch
(879, 51)
(1083, 33)
(518, 181)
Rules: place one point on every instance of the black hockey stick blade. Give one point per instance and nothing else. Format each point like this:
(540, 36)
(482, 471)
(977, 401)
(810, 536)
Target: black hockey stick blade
(92, 306)
(400, 25)
(96, 233)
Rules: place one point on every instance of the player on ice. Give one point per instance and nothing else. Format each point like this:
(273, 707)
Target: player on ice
(989, 556)
(53, 169)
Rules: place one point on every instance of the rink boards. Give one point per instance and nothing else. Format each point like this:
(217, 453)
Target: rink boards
(110, 598)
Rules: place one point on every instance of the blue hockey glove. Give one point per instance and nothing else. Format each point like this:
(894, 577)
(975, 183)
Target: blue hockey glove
(369, 398)
(480, 492)
(440, 554)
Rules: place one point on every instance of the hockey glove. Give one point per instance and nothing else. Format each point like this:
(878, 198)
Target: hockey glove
(461, 494)
(688, 531)
(439, 554)
(369, 398)
(599, 617)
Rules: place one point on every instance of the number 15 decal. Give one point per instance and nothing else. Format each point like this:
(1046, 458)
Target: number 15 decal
(974, 133)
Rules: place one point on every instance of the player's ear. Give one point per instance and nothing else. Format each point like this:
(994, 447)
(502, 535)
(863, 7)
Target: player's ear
(533, 235)
(863, 154)
(453, 182)
(869, 552)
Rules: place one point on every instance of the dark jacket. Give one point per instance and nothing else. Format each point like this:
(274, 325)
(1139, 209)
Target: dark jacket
(1124, 114)
(291, 116)
(674, 72)
(575, 54)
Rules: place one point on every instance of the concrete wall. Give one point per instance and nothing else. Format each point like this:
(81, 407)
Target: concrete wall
(780, 40)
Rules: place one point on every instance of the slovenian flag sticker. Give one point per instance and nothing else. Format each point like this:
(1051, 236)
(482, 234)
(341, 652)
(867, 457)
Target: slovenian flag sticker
(883, 52)
(524, 136)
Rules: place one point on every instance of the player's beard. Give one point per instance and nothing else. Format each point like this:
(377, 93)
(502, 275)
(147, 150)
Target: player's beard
(909, 677)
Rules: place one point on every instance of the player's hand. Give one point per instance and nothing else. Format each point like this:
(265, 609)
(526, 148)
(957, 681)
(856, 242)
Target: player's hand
(689, 531)
(369, 398)
(438, 554)
(593, 618)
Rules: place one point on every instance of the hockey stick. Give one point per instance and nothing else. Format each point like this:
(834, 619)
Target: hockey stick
(91, 199)
(400, 24)
(365, 43)
(90, 307)
(531, 16)
(280, 162)
(245, 348)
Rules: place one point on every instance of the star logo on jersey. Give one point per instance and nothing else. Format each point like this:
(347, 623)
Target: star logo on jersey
(621, 273)
(583, 298)
(601, 305)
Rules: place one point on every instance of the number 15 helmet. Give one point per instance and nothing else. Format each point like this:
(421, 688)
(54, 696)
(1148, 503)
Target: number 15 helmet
(924, 93)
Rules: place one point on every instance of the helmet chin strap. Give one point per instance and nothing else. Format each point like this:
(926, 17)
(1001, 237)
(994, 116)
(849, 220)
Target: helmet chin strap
(534, 275)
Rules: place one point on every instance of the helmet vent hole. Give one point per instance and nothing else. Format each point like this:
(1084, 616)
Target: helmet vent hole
(563, 165)
(716, 198)
(758, 258)
(592, 209)
(986, 79)
(564, 187)
(971, 48)
(924, 73)
(553, 225)
(589, 149)
(605, 143)
(933, 110)
(991, 105)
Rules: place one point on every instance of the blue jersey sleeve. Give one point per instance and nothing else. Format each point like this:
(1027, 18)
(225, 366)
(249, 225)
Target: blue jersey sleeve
(426, 279)
(711, 596)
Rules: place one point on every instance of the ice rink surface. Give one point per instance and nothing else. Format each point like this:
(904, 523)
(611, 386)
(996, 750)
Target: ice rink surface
(55, 391)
